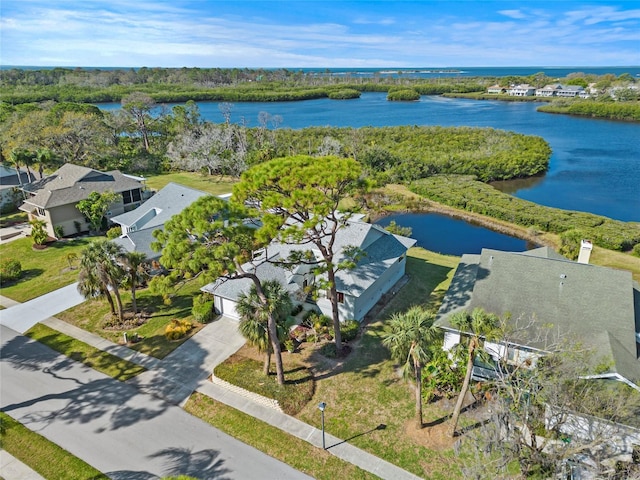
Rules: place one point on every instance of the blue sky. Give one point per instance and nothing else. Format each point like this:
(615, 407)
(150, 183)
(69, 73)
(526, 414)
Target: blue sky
(321, 34)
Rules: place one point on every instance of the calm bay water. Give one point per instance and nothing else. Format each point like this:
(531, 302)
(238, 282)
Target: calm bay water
(595, 165)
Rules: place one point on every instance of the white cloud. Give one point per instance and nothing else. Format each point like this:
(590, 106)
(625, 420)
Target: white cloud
(517, 14)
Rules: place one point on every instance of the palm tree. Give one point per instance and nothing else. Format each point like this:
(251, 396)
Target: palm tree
(134, 273)
(44, 158)
(476, 327)
(409, 339)
(255, 317)
(18, 157)
(100, 274)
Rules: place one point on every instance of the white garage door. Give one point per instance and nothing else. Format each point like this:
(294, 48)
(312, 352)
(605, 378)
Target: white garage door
(229, 308)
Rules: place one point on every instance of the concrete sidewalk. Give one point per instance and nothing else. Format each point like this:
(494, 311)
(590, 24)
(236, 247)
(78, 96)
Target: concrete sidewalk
(174, 379)
(187, 369)
(23, 316)
(13, 469)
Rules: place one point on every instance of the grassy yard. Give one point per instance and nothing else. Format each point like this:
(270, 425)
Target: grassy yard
(368, 403)
(45, 457)
(91, 315)
(43, 271)
(8, 219)
(79, 351)
(215, 185)
(287, 448)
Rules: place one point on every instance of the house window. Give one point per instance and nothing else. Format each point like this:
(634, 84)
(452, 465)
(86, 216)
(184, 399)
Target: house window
(131, 196)
(340, 297)
(40, 212)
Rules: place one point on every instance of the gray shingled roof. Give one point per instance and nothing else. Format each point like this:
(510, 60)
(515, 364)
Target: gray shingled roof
(382, 249)
(72, 183)
(140, 241)
(158, 209)
(596, 305)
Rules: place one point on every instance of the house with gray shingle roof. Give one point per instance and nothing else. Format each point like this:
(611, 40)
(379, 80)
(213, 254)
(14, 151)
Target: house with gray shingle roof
(381, 266)
(54, 198)
(596, 306)
(138, 225)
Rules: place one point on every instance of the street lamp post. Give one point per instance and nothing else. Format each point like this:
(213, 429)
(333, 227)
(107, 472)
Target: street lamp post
(322, 406)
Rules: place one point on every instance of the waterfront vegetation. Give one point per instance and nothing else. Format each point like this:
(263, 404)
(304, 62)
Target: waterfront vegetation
(590, 108)
(465, 193)
(42, 455)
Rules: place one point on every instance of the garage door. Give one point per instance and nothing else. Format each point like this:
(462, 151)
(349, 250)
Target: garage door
(229, 309)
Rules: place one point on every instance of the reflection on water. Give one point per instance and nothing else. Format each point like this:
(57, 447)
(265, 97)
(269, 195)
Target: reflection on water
(451, 236)
(513, 186)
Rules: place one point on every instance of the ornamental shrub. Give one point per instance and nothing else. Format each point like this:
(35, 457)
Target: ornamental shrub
(202, 310)
(114, 232)
(349, 330)
(177, 329)
(10, 270)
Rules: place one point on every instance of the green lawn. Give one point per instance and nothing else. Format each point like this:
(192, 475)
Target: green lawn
(215, 185)
(43, 271)
(43, 456)
(271, 440)
(366, 393)
(91, 314)
(8, 219)
(79, 351)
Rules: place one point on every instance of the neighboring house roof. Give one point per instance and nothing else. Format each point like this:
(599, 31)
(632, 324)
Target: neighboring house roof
(73, 183)
(139, 241)
(152, 215)
(598, 306)
(158, 209)
(381, 250)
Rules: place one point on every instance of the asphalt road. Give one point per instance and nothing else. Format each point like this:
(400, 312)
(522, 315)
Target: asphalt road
(112, 426)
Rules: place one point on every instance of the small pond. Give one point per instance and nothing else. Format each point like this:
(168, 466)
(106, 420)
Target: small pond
(443, 234)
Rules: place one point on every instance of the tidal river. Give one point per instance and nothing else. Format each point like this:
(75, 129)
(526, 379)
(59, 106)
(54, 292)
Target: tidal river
(595, 165)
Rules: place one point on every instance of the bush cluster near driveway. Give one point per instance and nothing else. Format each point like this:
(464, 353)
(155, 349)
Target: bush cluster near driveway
(43, 456)
(43, 271)
(91, 316)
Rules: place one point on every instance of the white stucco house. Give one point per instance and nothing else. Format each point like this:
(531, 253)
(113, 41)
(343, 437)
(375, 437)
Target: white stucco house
(380, 268)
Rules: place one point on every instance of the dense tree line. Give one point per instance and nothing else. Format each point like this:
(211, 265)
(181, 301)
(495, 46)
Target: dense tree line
(465, 193)
(143, 136)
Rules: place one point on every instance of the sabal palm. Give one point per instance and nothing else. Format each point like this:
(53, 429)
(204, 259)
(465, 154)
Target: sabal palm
(409, 340)
(255, 317)
(134, 273)
(478, 326)
(100, 273)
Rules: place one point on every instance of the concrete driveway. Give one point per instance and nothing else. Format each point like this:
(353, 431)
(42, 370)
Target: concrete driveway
(112, 426)
(23, 316)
